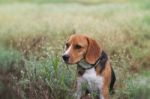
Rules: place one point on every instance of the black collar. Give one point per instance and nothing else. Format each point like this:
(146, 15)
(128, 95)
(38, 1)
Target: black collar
(101, 61)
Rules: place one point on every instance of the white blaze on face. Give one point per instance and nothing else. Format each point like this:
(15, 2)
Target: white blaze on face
(68, 50)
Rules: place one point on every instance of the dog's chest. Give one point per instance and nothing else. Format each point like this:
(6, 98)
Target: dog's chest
(94, 81)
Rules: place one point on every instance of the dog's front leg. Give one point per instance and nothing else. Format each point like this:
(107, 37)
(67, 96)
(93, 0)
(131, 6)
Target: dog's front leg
(105, 93)
(78, 93)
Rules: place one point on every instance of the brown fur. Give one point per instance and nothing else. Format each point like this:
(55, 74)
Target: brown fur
(107, 79)
(74, 53)
(93, 51)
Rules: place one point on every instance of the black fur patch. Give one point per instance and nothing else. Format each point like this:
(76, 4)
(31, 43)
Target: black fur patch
(113, 79)
(103, 60)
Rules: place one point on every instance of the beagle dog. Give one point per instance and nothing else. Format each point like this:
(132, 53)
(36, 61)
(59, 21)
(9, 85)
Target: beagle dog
(94, 71)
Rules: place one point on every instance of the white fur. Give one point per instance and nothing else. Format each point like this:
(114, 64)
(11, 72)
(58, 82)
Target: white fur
(95, 82)
(68, 50)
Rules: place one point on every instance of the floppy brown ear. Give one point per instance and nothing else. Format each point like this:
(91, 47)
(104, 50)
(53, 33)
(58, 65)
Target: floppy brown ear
(93, 51)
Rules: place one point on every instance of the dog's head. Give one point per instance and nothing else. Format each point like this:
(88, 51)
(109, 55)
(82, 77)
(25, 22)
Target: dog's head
(80, 47)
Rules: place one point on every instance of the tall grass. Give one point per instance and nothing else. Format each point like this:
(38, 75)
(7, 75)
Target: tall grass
(32, 38)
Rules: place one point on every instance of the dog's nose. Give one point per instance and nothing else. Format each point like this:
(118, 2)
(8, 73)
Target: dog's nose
(65, 57)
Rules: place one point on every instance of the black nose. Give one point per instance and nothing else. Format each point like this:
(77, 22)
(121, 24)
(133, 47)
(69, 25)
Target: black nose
(65, 58)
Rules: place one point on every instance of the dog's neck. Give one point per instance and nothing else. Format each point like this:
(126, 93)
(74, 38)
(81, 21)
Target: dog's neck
(85, 65)
(101, 60)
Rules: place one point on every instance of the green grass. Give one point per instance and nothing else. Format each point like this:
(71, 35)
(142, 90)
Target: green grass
(32, 38)
(139, 87)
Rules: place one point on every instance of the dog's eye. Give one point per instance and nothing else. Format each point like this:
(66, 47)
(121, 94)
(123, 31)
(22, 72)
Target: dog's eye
(77, 46)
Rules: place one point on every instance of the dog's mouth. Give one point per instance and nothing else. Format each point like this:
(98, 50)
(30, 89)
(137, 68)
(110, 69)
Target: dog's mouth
(72, 63)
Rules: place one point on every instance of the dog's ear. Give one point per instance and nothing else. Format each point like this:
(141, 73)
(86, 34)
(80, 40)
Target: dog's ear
(93, 51)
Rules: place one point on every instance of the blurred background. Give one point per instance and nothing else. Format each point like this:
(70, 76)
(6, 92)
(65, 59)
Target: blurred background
(33, 34)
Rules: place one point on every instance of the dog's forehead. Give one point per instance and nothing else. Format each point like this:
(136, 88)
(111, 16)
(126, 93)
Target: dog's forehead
(77, 39)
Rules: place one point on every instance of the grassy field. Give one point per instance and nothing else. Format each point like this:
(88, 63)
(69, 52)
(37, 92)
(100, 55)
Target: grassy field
(32, 37)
